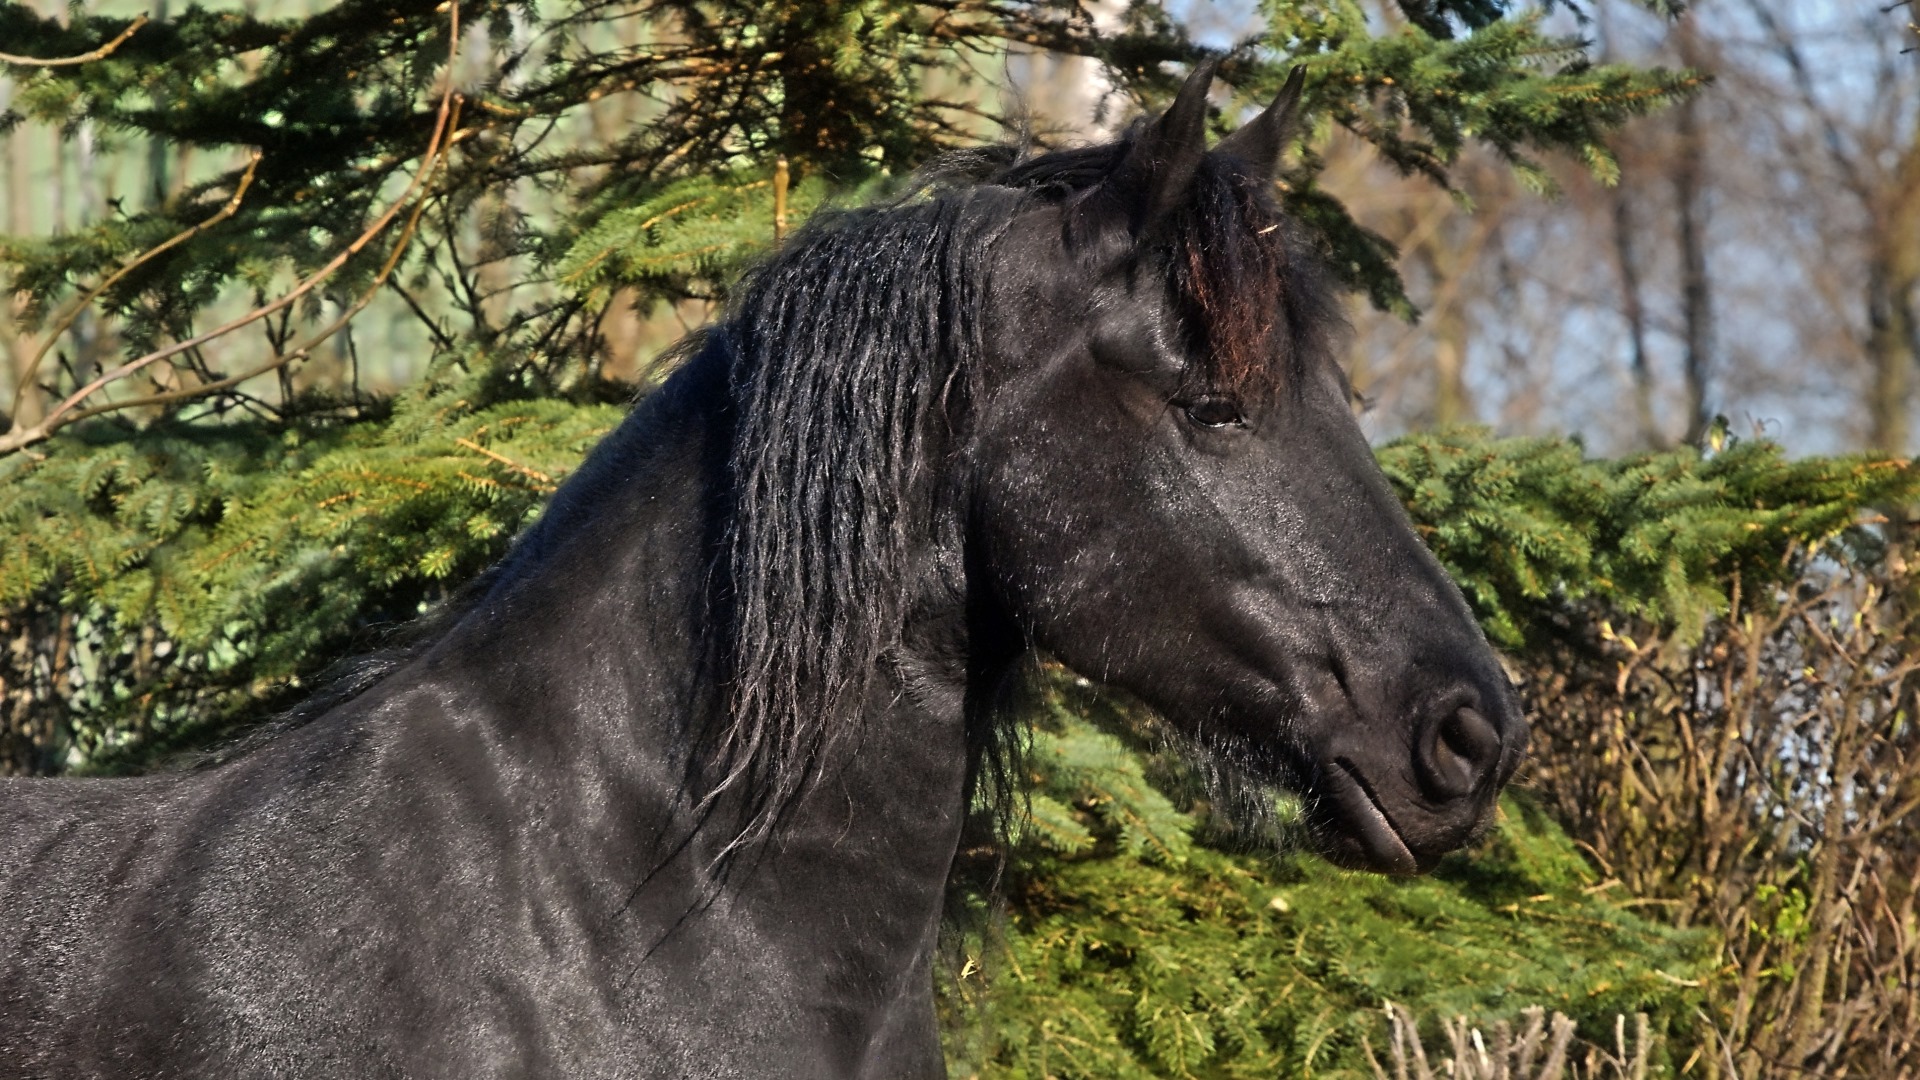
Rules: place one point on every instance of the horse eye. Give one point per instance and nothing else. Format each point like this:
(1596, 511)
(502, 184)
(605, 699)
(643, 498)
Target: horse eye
(1214, 412)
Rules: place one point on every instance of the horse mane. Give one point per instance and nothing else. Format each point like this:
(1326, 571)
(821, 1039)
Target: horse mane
(840, 348)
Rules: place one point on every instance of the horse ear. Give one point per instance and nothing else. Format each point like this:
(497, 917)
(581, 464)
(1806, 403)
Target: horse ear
(1259, 142)
(1160, 166)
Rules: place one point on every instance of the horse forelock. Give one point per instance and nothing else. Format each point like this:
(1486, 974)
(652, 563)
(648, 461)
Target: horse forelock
(1258, 304)
(1255, 301)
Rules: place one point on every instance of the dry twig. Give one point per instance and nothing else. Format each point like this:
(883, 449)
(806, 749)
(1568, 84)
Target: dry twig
(66, 319)
(100, 53)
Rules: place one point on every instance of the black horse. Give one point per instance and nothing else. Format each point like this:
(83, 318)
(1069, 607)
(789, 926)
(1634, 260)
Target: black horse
(679, 793)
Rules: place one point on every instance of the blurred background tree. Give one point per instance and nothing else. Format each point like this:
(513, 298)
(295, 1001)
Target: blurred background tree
(310, 306)
(1755, 260)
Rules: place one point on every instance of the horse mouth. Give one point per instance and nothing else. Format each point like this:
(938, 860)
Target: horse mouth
(1360, 835)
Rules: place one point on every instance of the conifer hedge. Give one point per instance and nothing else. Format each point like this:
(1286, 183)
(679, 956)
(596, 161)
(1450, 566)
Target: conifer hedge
(1143, 939)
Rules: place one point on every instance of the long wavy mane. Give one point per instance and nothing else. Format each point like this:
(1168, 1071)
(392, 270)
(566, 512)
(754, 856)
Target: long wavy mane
(840, 349)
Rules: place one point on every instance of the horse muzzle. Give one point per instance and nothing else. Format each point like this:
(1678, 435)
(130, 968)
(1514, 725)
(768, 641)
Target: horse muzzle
(1396, 803)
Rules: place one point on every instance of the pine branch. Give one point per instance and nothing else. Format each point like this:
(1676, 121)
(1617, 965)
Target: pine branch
(65, 413)
(78, 307)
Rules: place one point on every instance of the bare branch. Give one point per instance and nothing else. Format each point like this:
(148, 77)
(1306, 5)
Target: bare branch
(74, 310)
(279, 360)
(100, 53)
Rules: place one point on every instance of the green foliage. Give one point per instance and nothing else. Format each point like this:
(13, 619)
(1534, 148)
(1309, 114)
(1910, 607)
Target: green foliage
(1533, 529)
(1082, 772)
(1130, 955)
(340, 105)
(1421, 95)
(689, 237)
(247, 557)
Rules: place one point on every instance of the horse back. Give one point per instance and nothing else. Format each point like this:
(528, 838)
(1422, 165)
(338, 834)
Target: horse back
(74, 856)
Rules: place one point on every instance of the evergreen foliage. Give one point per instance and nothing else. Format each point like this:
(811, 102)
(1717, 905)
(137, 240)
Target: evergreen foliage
(500, 208)
(689, 237)
(1532, 529)
(1132, 951)
(215, 567)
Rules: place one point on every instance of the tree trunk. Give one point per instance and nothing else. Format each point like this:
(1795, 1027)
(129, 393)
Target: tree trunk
(23, 402)
(1627, 261)
(1449, 247)
(1890, 352)
(1696, 293)
(1893, 279)
(1451, 406)
(159, 154)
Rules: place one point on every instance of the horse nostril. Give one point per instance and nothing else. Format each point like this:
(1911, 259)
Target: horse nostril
(1460, 751)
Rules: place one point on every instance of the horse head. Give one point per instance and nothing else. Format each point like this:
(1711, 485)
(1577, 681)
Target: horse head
(1170, 493)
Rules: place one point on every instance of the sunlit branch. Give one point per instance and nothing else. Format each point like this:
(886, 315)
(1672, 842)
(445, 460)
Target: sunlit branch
(74, 310)
(100, 53)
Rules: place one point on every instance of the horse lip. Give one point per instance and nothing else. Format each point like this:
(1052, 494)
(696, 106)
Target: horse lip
(1367, 820)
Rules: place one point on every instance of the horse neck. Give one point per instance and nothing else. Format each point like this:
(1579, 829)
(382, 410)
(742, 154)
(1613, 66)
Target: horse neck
(593, 643)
